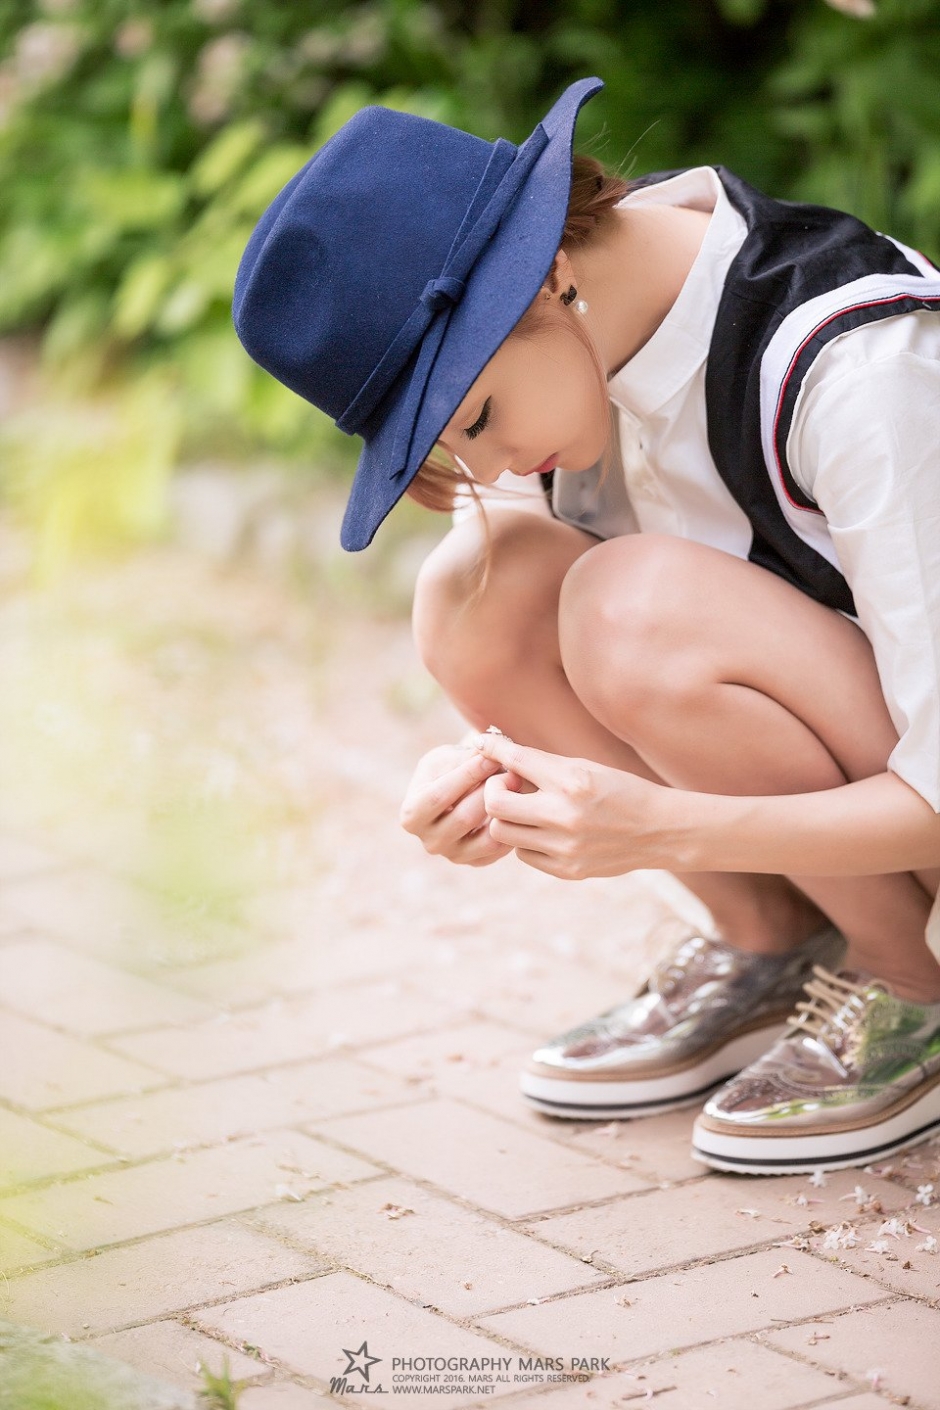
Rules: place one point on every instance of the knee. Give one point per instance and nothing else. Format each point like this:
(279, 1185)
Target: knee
(627, 635)
(485, 599)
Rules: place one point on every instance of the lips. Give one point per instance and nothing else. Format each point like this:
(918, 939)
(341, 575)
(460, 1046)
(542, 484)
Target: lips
(545, 468)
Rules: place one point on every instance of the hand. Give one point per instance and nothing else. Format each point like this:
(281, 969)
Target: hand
(444, 806)
(571, 817)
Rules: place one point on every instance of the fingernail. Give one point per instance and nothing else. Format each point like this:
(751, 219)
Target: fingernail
(478, 741)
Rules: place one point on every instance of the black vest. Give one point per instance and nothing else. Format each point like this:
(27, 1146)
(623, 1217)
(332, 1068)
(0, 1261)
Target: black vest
(791, 254)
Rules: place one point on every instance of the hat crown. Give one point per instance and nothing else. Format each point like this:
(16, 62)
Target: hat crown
(352, 247)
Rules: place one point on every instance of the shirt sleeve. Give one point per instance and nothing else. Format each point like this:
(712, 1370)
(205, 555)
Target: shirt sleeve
(865, 445)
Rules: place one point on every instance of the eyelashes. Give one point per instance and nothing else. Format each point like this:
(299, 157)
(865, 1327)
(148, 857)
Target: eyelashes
(480, 424)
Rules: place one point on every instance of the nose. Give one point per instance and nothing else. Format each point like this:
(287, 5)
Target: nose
(487, 469)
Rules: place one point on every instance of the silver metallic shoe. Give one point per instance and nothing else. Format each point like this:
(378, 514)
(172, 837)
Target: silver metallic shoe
(856, 1076)
(704, 1014)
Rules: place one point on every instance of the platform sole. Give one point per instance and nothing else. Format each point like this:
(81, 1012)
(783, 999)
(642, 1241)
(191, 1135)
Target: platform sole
(833, 1150)
(581, 1099)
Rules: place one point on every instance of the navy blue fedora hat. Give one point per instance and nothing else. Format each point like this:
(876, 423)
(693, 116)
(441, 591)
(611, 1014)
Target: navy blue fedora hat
(385, 275)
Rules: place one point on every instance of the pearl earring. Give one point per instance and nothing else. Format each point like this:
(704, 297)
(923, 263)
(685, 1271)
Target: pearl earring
(569, 297)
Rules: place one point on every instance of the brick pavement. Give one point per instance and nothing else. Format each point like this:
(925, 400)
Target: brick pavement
(290, 1126)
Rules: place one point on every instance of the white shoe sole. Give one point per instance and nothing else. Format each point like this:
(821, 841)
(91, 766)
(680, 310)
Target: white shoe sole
(836, 1150)
(579, 1100)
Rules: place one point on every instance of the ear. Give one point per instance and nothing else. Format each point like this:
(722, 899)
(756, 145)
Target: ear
(561, 275)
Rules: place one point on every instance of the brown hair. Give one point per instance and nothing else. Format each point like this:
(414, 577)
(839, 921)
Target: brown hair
(594, 193)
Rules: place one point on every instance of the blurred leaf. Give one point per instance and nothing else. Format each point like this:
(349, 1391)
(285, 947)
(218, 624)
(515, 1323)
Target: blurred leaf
(263, 181)
(140, 293)
(139, 145)
(345, 102)
(226, 155)
(92, 476)
(184, 307)
(153, 89)
(132, 199)
(745, 11)
(78, 323)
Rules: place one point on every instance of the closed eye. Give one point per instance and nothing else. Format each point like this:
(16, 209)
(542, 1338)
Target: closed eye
(480, 423)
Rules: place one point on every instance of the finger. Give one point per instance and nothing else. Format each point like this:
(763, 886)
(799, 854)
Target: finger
(517, 783)
(540, 861)
(512, 834)
(481, 850)
(466, 817)
(488, 861)
(532, 765)
(427, 802)
(503, 801)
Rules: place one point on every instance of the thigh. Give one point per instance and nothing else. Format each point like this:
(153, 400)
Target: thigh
(685, 616)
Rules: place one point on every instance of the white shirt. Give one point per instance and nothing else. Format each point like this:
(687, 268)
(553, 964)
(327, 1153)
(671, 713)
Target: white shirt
(864, 444)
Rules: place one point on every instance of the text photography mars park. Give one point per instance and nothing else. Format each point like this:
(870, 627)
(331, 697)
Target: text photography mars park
(457, 1375)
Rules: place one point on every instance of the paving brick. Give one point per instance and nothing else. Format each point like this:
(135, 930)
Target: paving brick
(306, 1326)
(731, 1375)
(476, 1061)
(915, 1167)
(20, 857)
(81, 904)
(39, 1371)
(286, 968)
(607, 924)
(541, 994)
(174, 1352)
(41, 1069)
(196, 1185)
(617, 926)
(150, 1279)
(16, 1251)
(683, 1309)
(658, 1148)
(58, 986)
(218, 1111)
(109, 917)
(898, 1340)
(866, 1401)
(709, 1217)
(482, 1159)
(599, 950)
(29, 1151)
(284, 1395)
(303, 941)
(438, 1253)
(900, 1266)
(281, 1031)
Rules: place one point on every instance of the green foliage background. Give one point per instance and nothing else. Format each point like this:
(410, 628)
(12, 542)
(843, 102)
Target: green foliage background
(139, 142)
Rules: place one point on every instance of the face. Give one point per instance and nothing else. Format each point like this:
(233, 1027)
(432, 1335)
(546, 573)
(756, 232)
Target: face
(539, 404)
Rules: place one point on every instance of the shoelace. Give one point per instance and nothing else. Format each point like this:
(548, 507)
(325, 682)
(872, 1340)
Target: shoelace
(828, 995)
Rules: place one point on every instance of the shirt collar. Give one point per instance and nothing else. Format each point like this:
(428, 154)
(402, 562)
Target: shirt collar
(675, 352)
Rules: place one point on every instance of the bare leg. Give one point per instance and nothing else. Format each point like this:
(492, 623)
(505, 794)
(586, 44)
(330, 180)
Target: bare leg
(726, 679)
(496, 654)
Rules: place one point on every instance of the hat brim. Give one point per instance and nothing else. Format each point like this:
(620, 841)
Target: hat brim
(503, 283)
